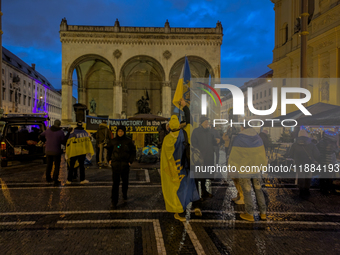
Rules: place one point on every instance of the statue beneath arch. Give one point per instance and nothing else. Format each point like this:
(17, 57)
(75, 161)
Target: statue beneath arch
(93, 106)
(143, 104)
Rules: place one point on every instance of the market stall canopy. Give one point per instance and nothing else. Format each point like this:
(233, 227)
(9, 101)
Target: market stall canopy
(326, 118)
(318, 108)
(148, 117)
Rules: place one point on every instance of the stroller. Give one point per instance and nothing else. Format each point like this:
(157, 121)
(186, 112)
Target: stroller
(150, 154)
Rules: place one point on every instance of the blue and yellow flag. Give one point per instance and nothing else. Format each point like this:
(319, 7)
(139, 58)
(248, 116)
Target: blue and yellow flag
(178, 188)
(247, 151)
(183, 86)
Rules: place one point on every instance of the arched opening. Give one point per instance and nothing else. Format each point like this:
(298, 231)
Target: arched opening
(139, 75)
(199, 68)
(93, 77)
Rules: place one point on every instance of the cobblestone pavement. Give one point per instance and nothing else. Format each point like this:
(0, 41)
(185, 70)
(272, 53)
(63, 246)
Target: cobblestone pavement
(37, 218)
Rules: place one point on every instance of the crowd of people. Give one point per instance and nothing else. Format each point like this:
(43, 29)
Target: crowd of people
(181, 185)
(119, 152)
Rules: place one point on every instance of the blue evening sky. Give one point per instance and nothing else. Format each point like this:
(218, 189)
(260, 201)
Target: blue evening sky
(31, 28)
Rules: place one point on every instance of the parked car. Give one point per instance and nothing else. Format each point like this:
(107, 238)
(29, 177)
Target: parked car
(19, 137)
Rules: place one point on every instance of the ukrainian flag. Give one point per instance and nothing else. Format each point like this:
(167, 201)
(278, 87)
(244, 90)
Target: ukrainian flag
(247, 150)
(178, 188)
(183, 86)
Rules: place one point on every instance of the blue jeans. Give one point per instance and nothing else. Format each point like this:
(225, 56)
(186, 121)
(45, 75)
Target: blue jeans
(246, 187)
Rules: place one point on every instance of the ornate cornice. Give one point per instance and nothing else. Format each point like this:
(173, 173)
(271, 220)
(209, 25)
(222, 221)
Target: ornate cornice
(135, 35)
(177, 30)
(326, 19)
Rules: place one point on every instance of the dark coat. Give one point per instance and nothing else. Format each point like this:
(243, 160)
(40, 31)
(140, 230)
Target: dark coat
(302, 149)
(265, 140)
(203, 140)
(122, 151)
(328, 149)
(55, 137)
(102, 133)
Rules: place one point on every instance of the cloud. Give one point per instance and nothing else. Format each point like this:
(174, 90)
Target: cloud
(31, 28)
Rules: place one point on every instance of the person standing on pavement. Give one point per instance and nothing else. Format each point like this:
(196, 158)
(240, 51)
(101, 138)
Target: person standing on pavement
(78, 146)
(55, 137)
(103, 137)
(216, 135)
(122, 154)
(248, 151)
(204, 141)
(328, 149)
(265, 139)
(303, 151)
(177, 186)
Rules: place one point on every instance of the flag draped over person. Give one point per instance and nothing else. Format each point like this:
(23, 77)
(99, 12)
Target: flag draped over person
(183, 86)
(178, 188)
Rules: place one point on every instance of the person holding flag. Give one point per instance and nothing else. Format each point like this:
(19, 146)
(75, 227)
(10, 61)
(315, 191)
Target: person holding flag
(178, 188)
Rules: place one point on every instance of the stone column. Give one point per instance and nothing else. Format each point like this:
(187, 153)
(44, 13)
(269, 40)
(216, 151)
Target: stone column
(82, 96)
(166, 99)
(334, 91)
(66, 101)
(117, 100)
(125, 98)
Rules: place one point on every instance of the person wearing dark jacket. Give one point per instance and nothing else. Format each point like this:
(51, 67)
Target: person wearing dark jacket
(328, 149)
(265, 139)
(303, 151)
(122, 154)
(204, 141)
(217, 135)
(55, 137)
(103, 134)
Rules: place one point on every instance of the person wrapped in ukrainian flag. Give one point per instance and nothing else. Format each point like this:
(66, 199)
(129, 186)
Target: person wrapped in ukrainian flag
(248, 156)
(178, 188)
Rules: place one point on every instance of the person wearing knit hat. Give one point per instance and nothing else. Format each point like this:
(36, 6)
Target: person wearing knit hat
(122, 153)
(303, 151)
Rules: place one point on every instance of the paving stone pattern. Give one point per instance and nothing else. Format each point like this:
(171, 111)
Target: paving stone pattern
(37, 218)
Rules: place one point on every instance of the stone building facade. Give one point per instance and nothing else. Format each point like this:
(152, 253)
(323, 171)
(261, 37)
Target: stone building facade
(25, 90)
(115, 65)
(322, 52)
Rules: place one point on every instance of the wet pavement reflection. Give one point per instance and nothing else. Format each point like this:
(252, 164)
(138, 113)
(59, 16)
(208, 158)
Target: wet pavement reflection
(37, 218)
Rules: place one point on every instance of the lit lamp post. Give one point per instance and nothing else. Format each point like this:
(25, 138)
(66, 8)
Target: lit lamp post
(40, 106)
